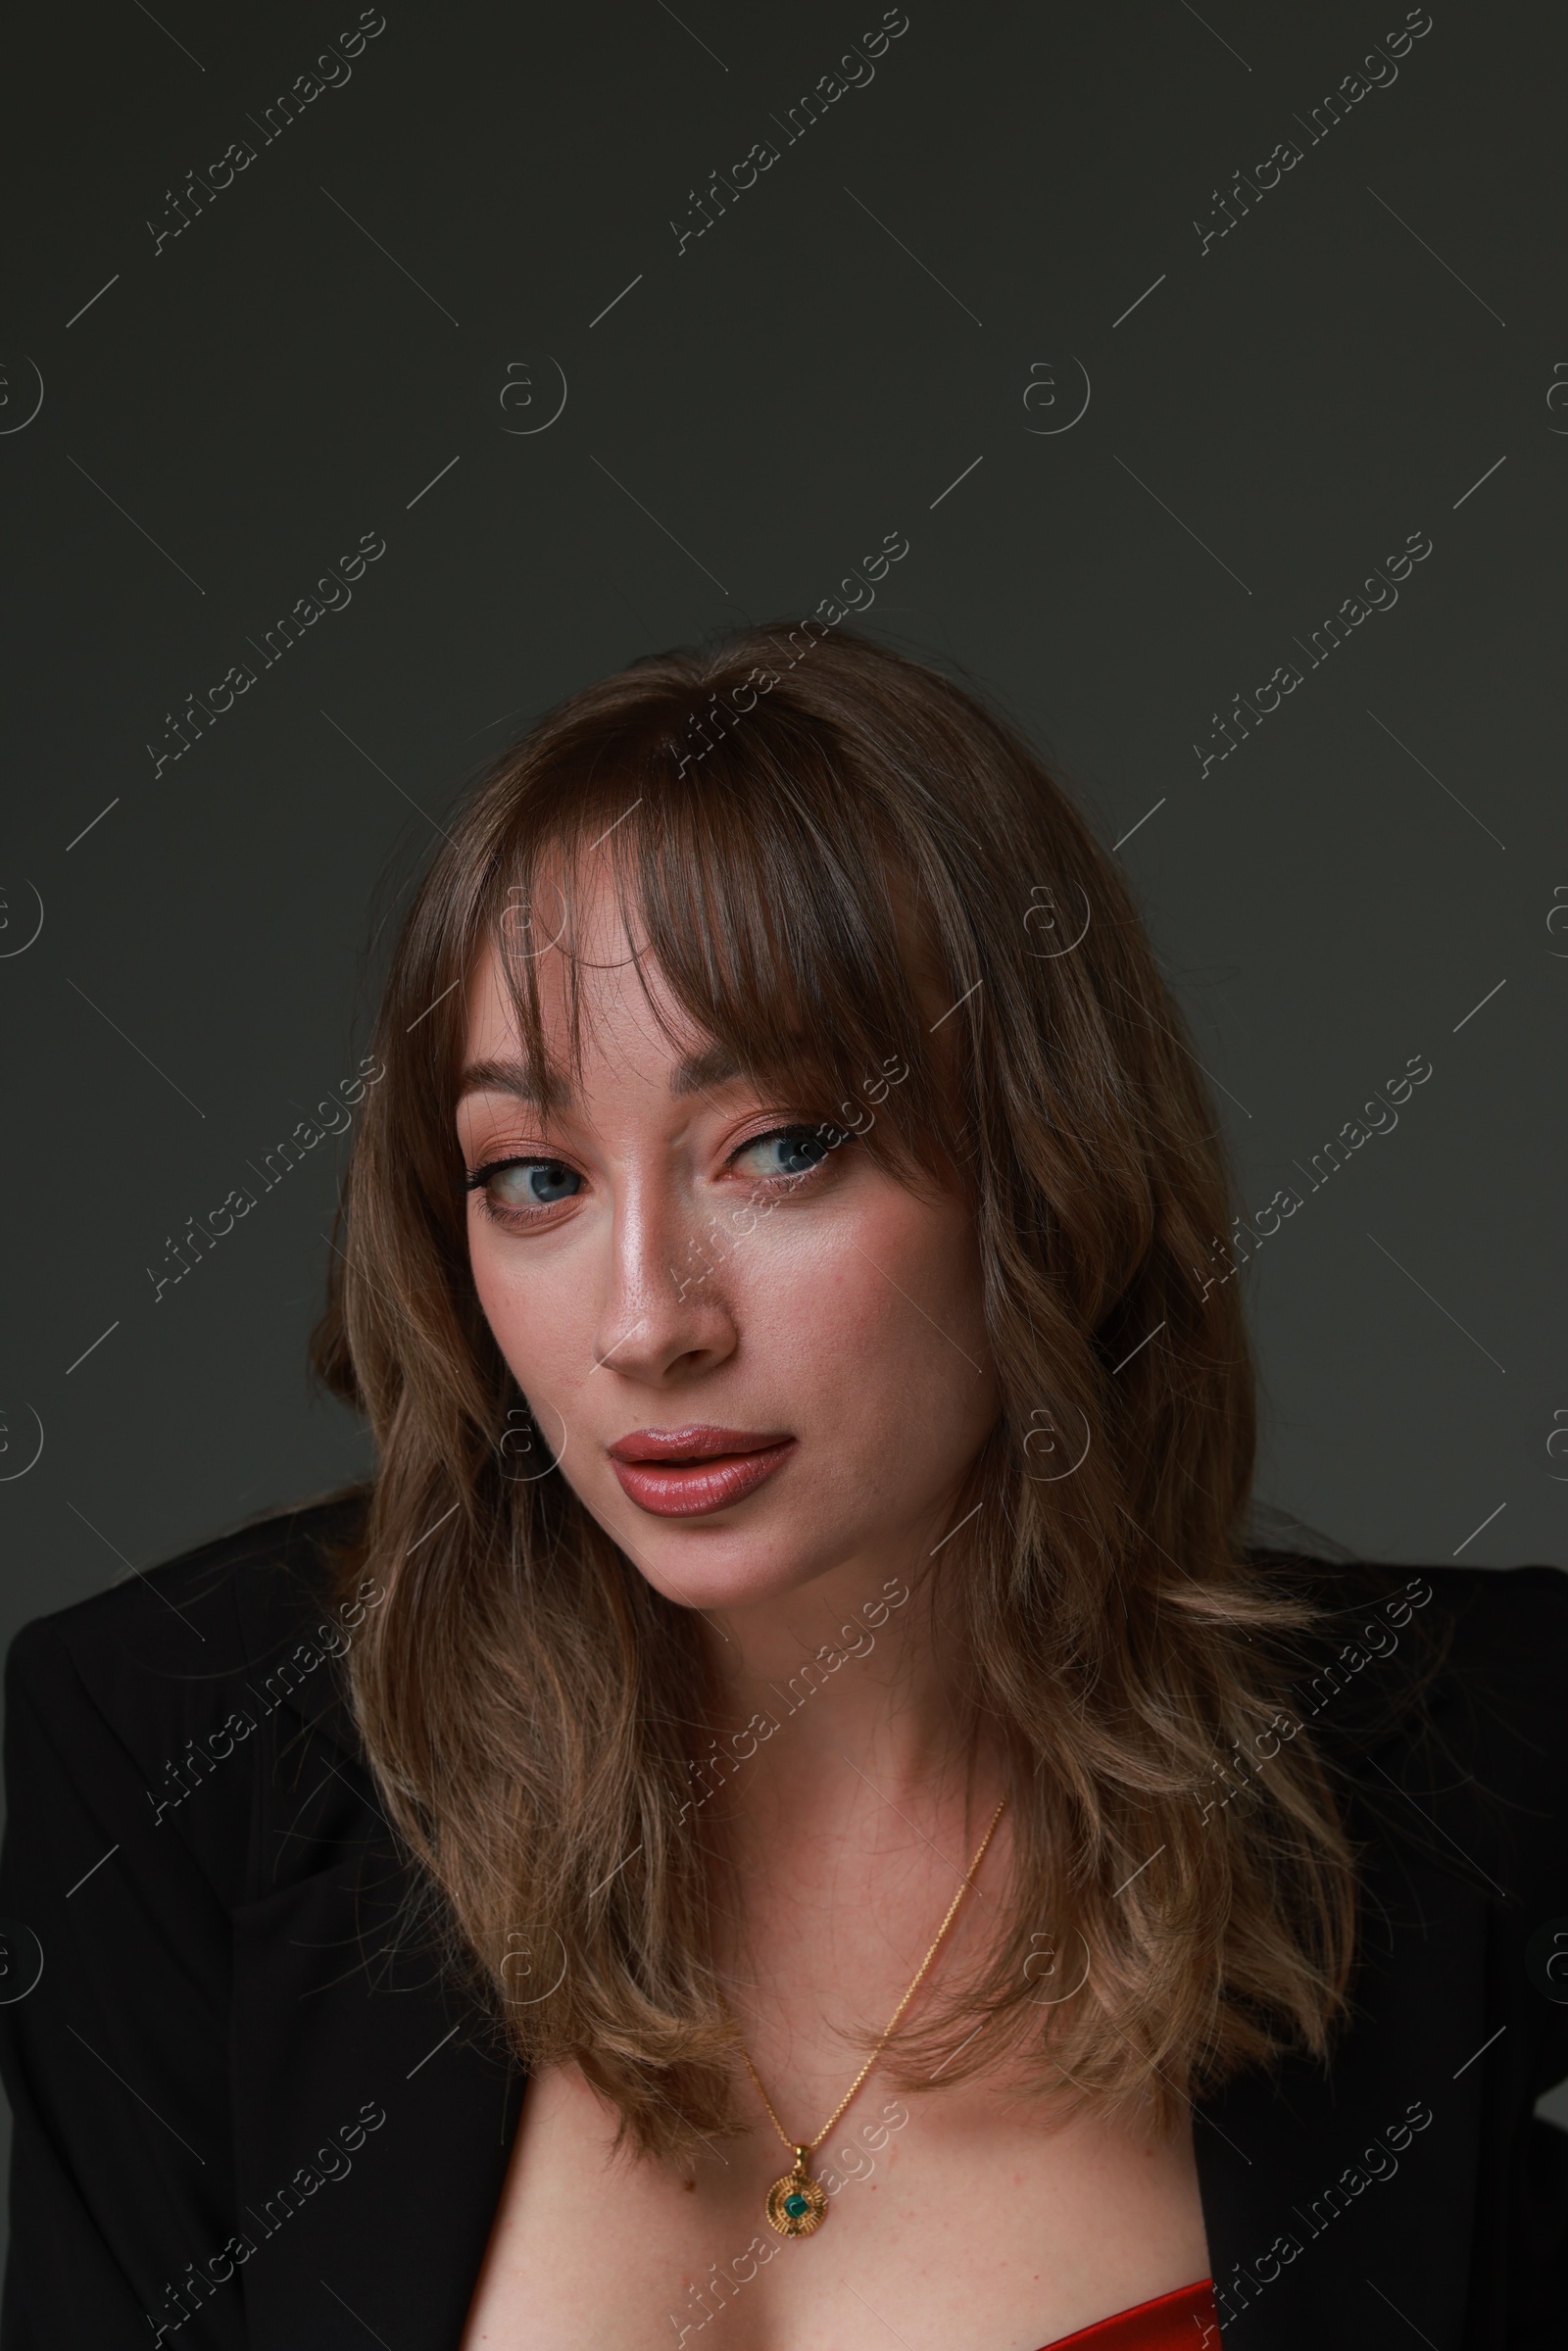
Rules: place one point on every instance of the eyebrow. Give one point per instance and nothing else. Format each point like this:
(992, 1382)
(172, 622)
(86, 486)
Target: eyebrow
(717, 1065)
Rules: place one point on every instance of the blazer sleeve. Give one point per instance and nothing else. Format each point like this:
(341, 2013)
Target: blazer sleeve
(116, 2059)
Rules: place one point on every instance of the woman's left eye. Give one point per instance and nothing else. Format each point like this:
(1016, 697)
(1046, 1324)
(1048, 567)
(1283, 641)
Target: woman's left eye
(792, 1151)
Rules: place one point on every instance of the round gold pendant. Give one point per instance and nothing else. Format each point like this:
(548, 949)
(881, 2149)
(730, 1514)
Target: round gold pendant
(797, 2204)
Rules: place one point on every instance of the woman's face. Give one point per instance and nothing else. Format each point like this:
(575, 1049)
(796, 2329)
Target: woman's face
(675, 1267)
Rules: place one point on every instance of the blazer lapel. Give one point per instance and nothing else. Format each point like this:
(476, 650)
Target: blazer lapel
(375, 2104)
(1339, 2204)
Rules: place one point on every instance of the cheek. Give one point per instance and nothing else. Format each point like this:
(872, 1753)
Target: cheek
(883, 1313)
(538, 1313)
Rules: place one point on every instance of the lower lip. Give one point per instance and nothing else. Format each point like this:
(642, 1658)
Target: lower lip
(688, 1489)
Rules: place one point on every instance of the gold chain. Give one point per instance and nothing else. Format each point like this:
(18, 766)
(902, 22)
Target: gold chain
(811, 2146)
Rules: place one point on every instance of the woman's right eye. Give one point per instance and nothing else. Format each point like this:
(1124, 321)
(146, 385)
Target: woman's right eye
(519, 1189)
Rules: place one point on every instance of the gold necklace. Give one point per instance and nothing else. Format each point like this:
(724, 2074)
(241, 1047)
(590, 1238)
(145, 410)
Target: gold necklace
(797, 2204)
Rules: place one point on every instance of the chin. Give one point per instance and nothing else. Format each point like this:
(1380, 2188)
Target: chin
(699, 1564)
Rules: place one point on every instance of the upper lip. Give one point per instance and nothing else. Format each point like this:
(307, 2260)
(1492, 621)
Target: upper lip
(697, 1443)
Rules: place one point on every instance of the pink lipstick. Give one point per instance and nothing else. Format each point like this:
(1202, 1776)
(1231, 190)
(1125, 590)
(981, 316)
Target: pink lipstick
(684, 1473)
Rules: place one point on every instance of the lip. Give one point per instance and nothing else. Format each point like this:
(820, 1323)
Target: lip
(685, 1473)
(699, 1439)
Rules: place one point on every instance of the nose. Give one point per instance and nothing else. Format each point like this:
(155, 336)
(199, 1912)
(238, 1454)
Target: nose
(666, 1313)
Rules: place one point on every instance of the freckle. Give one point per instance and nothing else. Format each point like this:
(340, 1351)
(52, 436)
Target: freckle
(688, 2184)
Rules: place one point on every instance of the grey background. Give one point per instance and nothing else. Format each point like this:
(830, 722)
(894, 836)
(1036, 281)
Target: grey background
(846, 352)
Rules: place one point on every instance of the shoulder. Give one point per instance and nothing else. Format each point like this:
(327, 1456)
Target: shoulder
(179, 1720)
(176, 1645)
(1453, 1630)
(1408, 1641)
(1436, 1695)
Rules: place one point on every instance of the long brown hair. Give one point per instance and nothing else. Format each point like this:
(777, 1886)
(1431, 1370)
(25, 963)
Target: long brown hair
(779, 807)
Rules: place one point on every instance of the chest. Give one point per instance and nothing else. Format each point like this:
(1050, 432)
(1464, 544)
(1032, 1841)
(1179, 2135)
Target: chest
(970, 2215)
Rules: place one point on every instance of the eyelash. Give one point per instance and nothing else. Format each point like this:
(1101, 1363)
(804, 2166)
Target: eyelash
(515, 1220)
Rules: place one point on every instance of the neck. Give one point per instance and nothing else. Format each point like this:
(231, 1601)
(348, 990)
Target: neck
(847, 1686)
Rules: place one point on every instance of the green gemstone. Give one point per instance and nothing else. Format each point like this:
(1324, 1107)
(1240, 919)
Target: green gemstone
(796, 2205)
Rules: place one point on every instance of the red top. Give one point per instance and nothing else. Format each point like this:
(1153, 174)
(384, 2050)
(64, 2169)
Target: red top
(1184, 2321)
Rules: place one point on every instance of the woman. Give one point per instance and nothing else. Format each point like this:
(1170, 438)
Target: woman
(791, 1806)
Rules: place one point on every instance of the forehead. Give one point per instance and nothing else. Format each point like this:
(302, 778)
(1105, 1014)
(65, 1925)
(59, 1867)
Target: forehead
(616, 1010)
(659, 972)
(579, 947)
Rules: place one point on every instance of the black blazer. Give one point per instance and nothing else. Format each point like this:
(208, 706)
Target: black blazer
(251, 2113)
